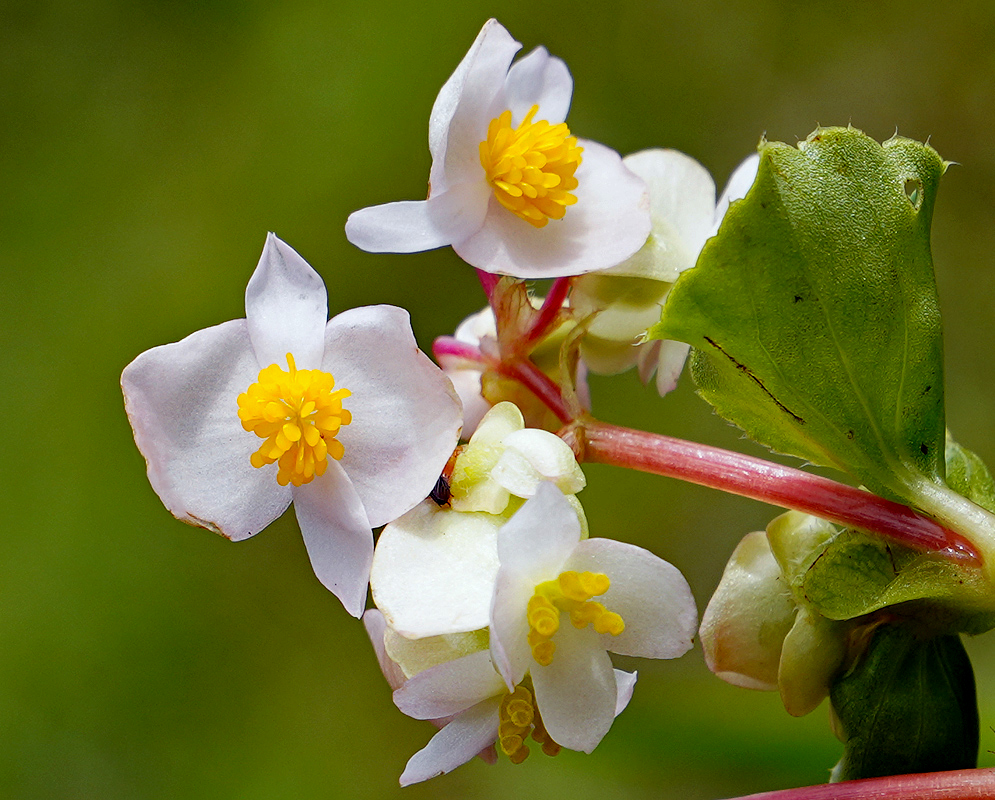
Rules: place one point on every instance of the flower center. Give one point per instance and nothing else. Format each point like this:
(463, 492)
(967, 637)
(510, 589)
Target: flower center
(517, 714)
(531, 167)
(570, 592)
(298, 414)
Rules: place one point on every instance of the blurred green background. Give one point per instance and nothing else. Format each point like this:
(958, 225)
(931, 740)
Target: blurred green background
(145, 150)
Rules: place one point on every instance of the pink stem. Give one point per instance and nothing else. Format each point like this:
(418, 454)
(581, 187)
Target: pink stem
(488, 281)
(449, 347)
(967, 784)
(540, 384)
(770, 483)
(551, 306)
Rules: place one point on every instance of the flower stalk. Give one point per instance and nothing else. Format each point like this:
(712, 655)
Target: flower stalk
(966, 784)
(771, 483)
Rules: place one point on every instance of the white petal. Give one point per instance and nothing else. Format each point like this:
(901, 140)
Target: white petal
(450, 688)
(181, 401)
(744, 625)
(532, 456)
(455, 744)
(670, 363)
(464, 106)
(576, 694)
(539, 79)
(467, 384)
(337, 534)
(682, 201)
(609, 222)
(434, 571)
(532, 547)
(625, 682)
(286, 307)
(540, 537)
(650, 594)
(376, 628)
(739, 184)
(410, 226)
(406, 415)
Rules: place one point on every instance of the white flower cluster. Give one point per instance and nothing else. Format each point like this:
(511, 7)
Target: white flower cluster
(477, 573)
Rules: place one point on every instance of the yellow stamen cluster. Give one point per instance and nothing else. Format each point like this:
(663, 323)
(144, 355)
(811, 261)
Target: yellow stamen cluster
(298, 413)
(518, 713)
(570, 592)
(531, 167)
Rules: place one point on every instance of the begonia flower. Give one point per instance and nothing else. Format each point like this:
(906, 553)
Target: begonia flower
(617, 597)
(511, 189)
(434, 568)
(231, 437)
(468, 700)
(757, 634)
(628, 297)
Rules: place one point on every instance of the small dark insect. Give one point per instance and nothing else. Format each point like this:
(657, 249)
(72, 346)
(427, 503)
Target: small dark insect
(442, 492)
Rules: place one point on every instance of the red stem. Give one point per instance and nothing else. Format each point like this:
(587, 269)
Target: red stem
(551, 306)
(770, 483)
(488, 281)
(539, 383)
(967, 784)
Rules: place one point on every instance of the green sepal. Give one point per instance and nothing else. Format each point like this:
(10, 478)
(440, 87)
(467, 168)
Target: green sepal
(908, 705)
(814, 312)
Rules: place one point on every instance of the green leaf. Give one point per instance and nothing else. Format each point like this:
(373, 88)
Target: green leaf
(814, 310)
(968, 475)
(907, 705)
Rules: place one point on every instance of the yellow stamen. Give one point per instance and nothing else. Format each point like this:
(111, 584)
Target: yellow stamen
(298, 413)
(518, 714)
(531, 167)
(570, 592)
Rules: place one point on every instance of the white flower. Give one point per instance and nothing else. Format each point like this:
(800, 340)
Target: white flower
(504, 164)
(644, 608)
(756, 633)
(434, 568)
(194, 403)
(630, 295)
(468, 700)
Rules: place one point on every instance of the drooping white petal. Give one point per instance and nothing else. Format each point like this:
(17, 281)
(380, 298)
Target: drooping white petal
(609, 222)
(650, 594)
(286, 308)
(481, 98)
(450, 688)
(181, 401)
(458, 742)
(542, 79)
(743, 627)
(576, 694)
(410, 226)
(532, 547)
(405, 414)
(670, 359)
(376, 628)
(739, 184)
(625, 682)
(337, 534)
(532, 456)
(434, 571)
